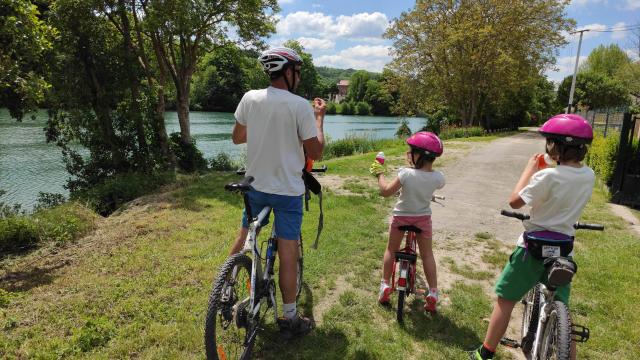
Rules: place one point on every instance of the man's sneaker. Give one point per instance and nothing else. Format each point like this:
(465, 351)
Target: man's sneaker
(385, 294)
(430, 304)
(296, 326)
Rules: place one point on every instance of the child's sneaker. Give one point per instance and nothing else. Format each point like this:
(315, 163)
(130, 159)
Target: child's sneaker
(384, 294)
(431, 300)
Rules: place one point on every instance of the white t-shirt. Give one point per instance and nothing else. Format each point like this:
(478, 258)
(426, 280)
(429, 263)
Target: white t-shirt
(277, 122)
(418, 187)
(557, 197)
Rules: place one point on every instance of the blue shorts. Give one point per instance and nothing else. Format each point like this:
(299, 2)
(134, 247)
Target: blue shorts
(287, 212)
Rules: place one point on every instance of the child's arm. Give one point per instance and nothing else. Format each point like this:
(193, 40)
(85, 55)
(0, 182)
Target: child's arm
(515, 201)
(388, 189)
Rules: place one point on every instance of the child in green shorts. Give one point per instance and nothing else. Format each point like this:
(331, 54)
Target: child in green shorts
(557, 197)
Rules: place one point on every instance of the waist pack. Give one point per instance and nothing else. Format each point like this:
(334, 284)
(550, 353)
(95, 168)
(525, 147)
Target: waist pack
(547, 244)
(312, 185)
(560, 271)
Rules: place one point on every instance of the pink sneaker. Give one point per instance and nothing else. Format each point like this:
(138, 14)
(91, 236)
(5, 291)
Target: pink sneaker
(430, 304)
(385, 294)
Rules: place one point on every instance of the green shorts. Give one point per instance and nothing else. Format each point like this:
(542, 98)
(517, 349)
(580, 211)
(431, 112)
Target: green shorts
(521, 274)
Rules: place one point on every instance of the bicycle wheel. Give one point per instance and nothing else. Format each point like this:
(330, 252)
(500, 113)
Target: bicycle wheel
(400, 312)
(227, 328)
(556, 337)
(299, 277)
(530, 315)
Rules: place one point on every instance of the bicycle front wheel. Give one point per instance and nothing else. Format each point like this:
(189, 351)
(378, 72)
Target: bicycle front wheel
(556, 338)
(531, 313)
(227, 328)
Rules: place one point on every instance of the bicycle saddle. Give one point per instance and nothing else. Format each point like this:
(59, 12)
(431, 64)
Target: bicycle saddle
(409, 228)
(243, 186)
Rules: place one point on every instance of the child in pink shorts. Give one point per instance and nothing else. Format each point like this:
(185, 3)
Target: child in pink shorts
(417, 186)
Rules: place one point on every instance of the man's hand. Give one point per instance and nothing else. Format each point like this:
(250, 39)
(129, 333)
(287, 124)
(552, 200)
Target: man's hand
(319, 107)
(376, 169)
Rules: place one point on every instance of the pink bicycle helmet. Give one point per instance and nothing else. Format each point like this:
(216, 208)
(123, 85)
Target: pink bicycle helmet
(426, 141)
(570, 129)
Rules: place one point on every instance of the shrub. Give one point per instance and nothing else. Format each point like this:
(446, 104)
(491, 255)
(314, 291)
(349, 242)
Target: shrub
(403, 131)
(362, 108)
(451, 132)
(7, 210)
(17, 233)
(347, 108)
(48, 200)
(351, 145)
(105, 198)
(602, 154)
(223, 162)
(332, 108)
(189, 157)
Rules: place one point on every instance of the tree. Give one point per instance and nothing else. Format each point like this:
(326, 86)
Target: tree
(629, 76)
(469, 55)
(594, 90)
(176, 33)
(606, 60)
(358, 85)
(308, 76)
(25, 48)
(378, 98)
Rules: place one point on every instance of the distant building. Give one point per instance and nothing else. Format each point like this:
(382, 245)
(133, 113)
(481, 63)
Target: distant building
(343, 89)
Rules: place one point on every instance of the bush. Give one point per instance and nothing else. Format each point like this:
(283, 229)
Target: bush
(223, 162)
(17, 233)
(403, 131)
(189, 157)
(451, 132)
(48, 200)
(351, 145)
(7, 210)
(105, 198)
(332, 108)
(602, 154)
(347, 108)
(362, 108)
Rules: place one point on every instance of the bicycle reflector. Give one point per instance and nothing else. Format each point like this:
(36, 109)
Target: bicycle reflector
(402, 282)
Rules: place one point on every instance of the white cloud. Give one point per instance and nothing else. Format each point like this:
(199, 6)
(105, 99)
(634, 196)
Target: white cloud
(618, 35)
(366, 57)
(310, 43)
(317, 6)
(281, 2)
(633, 4)
(633, 54)
(363, 25)
(586, 2)
(564, 68)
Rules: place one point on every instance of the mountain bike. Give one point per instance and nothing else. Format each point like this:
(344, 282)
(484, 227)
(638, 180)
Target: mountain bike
(547, 330)
(405, 261)
(243, 291)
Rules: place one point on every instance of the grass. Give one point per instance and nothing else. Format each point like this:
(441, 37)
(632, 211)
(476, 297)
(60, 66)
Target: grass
(142, 290)
(466, 270)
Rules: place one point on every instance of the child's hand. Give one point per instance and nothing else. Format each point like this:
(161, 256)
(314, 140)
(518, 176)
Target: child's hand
(376, 169)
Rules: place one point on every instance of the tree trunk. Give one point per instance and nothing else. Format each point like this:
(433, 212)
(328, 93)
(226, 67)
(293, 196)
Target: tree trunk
(182, 105)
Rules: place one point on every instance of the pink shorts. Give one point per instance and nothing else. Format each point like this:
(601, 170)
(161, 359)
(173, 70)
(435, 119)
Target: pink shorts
(421, 222)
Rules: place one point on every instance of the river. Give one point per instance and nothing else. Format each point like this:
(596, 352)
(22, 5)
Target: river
(28, 165)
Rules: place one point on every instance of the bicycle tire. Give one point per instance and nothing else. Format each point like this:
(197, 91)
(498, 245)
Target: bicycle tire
(530, 316)
(556, 338)
(400, 312)
(299, 277)
(220, 309)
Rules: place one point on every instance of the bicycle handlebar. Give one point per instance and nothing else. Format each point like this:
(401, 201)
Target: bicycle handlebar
(578, 225)
(437, 197)
(314, 170)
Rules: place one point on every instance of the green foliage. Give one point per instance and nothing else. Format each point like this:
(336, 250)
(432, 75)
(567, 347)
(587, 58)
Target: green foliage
(602, 154)
(378, 97)
(606, 60)
(223, 162)
(362, 108)
(473, 56)
(93, 334)
(26, 50)
(308, 75)
(403, 131)
(189, 157)
(114, 192)
(358, 86)
(594, 90)
(332, 108)
(351, 145)
(454, 132)
(17, 233)
(347, 108)
(7, 210)
(48, 200)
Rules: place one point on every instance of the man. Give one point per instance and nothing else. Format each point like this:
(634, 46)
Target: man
(276, 124)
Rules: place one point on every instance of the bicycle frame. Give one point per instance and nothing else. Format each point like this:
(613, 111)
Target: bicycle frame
(406, 280)
(546, 297)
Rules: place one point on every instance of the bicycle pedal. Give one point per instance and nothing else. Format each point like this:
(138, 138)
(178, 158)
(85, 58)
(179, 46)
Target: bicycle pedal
(579, 333)
(510, 343)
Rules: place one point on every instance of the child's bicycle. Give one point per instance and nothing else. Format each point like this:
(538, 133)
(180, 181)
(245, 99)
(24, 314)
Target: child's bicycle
(243, 292)
(405, 261)
(547, 330)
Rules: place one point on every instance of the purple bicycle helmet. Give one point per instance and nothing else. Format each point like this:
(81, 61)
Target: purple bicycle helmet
(570, 129)
(426, 141)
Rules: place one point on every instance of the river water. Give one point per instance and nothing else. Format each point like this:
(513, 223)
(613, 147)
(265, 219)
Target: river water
(29, 165)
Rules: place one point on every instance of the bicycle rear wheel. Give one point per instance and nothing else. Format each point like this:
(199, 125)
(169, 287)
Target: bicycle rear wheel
(531, 313)
(400, 312)
(556, 338)
(227, 329)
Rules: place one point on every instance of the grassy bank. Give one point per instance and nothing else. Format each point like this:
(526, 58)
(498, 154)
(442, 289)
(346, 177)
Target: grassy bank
(138, 287)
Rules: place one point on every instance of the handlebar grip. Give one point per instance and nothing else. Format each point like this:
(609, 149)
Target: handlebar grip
(514, 214)
(320, 169)
(437, 197)
(241, 171)
(597, 227)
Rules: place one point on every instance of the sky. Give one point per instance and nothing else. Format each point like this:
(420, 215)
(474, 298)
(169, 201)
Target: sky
(348, 33)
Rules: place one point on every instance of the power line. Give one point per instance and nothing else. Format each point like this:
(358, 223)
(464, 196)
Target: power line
(622, 28)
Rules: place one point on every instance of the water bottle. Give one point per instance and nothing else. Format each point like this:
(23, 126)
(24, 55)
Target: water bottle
(544, 161)
(380, 158)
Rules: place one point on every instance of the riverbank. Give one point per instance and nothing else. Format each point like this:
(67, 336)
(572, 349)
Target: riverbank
(138, 286)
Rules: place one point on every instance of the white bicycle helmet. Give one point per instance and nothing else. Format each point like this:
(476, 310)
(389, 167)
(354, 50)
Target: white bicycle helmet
(276, 59)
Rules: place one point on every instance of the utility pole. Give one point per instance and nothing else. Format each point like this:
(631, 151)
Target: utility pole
(575, 71)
